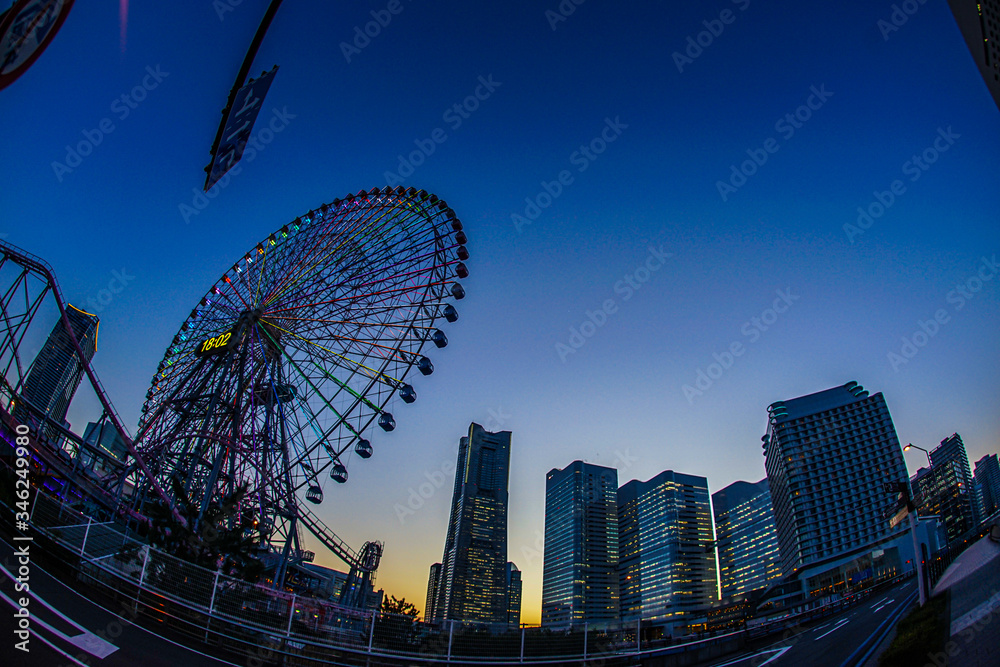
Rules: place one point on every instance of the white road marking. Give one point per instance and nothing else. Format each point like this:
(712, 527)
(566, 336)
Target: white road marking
(776, 656)
(777, 651)
(123, 619)
(841, 623)
(60, 651)
(87, 641)
(889, 601)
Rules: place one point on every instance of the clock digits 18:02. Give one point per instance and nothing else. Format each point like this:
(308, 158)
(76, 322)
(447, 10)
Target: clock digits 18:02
(214, 345)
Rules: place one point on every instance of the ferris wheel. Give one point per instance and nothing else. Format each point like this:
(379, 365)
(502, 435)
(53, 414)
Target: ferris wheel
(289, 360)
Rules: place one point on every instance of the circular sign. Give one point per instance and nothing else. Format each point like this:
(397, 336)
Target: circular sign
(25, 30)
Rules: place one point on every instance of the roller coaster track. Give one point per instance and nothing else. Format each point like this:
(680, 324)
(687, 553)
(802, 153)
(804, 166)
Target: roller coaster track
(25, 282)
(15, 322)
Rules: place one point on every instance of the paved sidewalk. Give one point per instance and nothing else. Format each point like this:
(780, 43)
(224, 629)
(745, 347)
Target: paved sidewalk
(974, 584)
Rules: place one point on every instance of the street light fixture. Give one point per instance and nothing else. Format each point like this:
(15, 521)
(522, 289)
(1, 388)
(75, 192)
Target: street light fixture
(912, 446)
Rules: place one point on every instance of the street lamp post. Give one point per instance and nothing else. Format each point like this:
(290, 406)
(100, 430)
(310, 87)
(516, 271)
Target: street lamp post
(912, 446)
(914, 521)
(903, 490)
(918, 557)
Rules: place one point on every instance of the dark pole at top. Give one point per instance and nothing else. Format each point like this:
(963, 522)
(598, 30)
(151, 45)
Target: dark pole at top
(241, 76)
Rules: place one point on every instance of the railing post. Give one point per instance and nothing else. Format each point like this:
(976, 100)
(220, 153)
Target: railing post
(86, 533)
(145, 561)
(291, 615)
(31, 515)
(522, 643)
(451, 632)
(371, 633)
(215, 585)
(211, 606)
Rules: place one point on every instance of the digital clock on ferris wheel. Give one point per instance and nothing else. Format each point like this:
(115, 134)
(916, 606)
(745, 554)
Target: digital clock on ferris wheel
(216, 344)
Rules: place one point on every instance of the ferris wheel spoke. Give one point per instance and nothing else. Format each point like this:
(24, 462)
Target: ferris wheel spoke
(343, 242)
(341, 419)
(353, 323)
(373, 373)
(385, 294)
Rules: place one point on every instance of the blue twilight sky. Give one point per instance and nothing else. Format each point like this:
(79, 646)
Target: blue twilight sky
(644, 196)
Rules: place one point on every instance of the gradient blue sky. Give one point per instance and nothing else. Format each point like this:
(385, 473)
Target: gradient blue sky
(619, 399)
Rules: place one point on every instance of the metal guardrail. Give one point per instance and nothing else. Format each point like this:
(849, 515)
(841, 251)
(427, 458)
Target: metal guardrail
(219, 608)
(213, 606)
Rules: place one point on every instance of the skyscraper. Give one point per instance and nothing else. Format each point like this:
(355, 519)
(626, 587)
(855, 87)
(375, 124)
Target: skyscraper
(473, 584)
(827, 456)
(667, 572)
(105, 438)
(947, 490)
(979, 21)
(580, 575)
(433, 584)
(988, 480)
(746, 537)
(513, 596)
(56, 372)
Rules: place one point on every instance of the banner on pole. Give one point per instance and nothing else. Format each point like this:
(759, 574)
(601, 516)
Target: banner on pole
(239, 121)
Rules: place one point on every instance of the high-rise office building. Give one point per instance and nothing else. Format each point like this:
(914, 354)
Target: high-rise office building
(513, 596)
(473, 585)
(979, 22)
(987, 477)
(57, 371)
(667, 569)
(433, 584)
(946, 490)
(105, 438)
(746, 538)
(827, 457)
(580, 574)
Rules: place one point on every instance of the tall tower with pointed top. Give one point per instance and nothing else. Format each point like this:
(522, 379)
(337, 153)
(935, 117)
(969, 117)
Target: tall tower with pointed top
(473, 583)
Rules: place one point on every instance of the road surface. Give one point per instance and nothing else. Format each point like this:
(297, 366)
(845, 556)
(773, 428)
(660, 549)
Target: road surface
(827, 642)
(67, 629)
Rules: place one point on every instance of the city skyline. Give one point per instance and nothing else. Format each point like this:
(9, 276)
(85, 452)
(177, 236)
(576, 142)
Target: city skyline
(633, 260)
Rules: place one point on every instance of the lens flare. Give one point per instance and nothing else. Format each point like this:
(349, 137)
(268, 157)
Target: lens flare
(123, 21)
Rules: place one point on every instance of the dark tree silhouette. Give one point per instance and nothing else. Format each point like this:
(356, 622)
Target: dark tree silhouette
(225, 538)
(394, 605)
